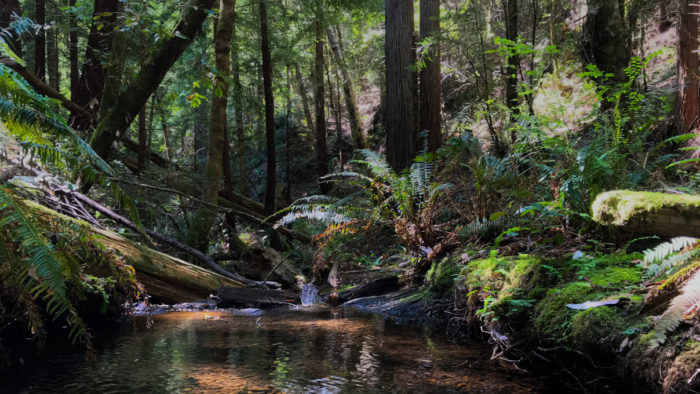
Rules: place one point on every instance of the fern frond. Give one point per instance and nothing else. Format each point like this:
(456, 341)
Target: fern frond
(665, 249)
(686, 302)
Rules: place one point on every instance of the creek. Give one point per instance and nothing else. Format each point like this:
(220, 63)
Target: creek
(310, 350)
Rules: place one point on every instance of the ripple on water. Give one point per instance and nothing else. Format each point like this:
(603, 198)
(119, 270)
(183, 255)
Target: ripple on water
(311, 351)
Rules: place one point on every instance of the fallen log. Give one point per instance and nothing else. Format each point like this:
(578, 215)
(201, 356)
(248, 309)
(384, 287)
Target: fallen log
(165, 277)
(649, 212)
(230, 297)
(376, 287)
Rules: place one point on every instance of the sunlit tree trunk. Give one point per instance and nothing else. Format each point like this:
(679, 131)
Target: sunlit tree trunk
(430, 104)
(204, 217)
(356, 131)
(400, 118)
(319, 99)
(512, 64)
(73, 53)
(271, 184)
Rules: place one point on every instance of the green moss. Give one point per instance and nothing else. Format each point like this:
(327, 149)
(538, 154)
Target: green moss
(610, 276)
(597, 327)
(619, 206)
(552, 317)
(441, 276)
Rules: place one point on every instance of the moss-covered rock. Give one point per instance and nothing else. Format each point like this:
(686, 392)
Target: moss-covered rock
(597, 328)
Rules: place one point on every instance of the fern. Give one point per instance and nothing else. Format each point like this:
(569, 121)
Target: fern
(681, 306)
(665, 256)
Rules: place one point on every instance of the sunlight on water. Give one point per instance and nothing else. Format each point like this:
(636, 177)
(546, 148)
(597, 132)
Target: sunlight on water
(312, 350)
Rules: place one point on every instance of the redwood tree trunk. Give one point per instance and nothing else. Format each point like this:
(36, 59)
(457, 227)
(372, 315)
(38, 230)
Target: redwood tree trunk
(52, 59)
(92, 79)
(400, 118)
(271, 183)
(430, 105)
(40, 43)
(73, 53)
(204, 217)
(238, 107)
(150, 74)
(321, 143)
(304, 98)
(688, 62)
(356, 131)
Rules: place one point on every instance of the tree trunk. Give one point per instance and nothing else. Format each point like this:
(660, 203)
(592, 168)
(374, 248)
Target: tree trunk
(204, 217)
(512, 64)
(143, 149)
(287, 138)
(201, 120)
(321, 143)
(52, 59)
(164, 127)
(334, 108)
(688, 107)
(73, 53)
(430, 105)
(399, 114)
(238, 107)
(92, 79)
(304, 99)
(356, 130)
(605, 45)
(271, 184)
(150, 74)
(40, 42)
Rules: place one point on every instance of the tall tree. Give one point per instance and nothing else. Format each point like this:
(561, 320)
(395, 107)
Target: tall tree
(52, 56)
(40, 43)
(605, 45)
(430, 86)
(304, 99)
(238, 108)
(512, 64)
(92, 77)
(143, 138)
(356, 131)
(400, 119)
(688, 106)
(199, 232)
(149, 76)
(321, 143)
(73, 51)
(271, 183)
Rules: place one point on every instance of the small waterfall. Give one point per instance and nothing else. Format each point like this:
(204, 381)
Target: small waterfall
(309, 295)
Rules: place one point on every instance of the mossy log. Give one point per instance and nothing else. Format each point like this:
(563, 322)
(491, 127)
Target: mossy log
(649, 212)
(165, 277)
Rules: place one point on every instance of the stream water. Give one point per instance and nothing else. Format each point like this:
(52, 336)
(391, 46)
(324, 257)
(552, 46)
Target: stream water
(314, 350)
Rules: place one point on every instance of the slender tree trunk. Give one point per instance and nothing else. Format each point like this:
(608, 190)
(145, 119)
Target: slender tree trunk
(304, 98)
(400, 118)
(164, 127)
(512, 64)
(321, 143)
(40, 43)
(430, 86)
(238, 107)
(271, 184)
(113, 71)
(52, 59)
(73, 53)
(356, 130)
(150, 74)
(92, 79)
(204, 218)
(334, 108)
(143, 138)
(688, 63)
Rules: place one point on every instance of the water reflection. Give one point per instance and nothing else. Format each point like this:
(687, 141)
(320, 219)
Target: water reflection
(314, 351)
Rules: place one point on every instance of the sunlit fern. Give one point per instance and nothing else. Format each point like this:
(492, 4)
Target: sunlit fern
(679, 258)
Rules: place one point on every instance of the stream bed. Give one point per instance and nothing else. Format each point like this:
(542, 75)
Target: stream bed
(316, 350)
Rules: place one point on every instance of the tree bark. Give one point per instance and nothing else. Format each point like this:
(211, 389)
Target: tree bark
(73, 52)
(271, 184)
(430, 84)
(52, 59)
(238, 107)
(688, 104)
(400, 118)
(605, 45)
(164, 127)
(512, 65)
(40, 42)
(150, 74)
(7, 8)
(304, 98)
(321, 143)
(92, 79)
(204, 217)
(334, 108)
(143, 149)
(356, 130)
